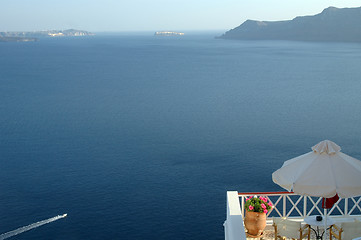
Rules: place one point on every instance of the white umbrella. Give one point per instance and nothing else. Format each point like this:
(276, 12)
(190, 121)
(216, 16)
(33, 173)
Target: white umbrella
(324, 172)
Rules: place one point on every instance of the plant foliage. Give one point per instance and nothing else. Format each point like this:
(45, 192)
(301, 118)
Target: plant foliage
(258, 204)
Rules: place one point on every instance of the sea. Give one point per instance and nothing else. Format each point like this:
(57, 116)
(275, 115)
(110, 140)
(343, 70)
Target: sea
(137, 136)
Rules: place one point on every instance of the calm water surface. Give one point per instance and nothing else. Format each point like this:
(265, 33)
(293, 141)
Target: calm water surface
(140, 137)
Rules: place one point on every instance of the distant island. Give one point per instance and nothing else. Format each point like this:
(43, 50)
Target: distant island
(168, 33)
(332, 24)
(33, 36)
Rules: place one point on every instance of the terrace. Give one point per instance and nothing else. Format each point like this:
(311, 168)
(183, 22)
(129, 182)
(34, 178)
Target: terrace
(286, 205)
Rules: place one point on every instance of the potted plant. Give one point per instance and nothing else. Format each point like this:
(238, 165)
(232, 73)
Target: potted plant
(256, 210)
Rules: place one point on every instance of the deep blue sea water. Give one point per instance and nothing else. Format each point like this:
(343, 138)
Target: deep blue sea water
(140, 137)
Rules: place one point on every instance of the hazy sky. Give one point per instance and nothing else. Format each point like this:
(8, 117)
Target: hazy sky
(152, 15)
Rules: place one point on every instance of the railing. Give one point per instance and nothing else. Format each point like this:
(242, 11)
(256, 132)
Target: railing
(292, 205)
(288, 205)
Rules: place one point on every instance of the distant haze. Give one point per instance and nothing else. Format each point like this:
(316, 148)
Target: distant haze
(156, 15)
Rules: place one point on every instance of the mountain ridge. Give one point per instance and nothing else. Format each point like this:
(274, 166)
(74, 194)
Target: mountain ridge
(332, 24)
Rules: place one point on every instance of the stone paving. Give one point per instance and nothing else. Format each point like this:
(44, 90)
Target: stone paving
(269, 234)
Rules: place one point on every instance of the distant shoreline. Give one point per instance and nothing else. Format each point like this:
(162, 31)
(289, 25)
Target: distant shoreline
(17, 39)
(35, 35)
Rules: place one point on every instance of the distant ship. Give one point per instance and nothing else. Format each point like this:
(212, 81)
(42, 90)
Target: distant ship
(168, 33)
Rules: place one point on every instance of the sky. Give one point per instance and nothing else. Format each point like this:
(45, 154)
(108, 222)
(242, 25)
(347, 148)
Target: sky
(152, 15)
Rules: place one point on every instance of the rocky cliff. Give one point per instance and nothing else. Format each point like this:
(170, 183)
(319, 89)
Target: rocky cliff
(332, 24)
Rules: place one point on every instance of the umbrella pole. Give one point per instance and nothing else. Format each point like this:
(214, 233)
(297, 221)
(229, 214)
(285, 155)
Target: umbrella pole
(325, 214)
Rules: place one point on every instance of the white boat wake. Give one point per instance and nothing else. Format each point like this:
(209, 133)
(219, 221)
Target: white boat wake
(31, 226)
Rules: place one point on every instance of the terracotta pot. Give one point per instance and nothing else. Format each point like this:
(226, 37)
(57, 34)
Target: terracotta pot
(255, 223)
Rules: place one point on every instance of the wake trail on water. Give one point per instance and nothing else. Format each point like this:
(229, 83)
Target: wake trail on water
(31, 226)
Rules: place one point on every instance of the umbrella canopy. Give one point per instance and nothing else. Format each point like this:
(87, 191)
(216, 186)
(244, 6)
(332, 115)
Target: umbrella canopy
(324, 172)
